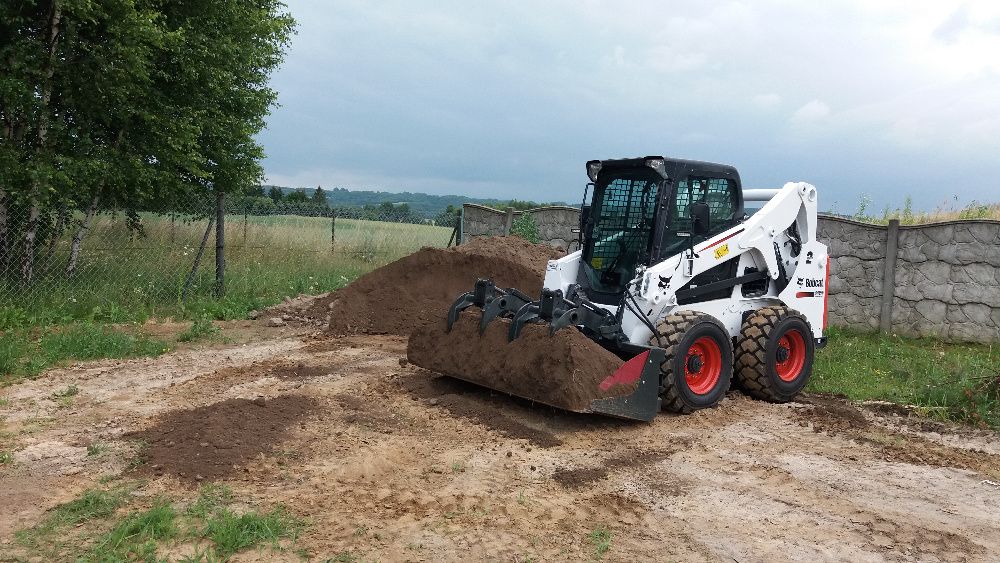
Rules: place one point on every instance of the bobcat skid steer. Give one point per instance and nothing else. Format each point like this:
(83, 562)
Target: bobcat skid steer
(677, 279)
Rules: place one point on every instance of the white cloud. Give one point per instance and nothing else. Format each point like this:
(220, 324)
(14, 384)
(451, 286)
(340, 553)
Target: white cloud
(814, 110)
(443, 96)
(767, 101)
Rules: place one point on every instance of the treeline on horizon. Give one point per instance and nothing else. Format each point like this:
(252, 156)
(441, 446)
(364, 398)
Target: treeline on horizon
(404, 207)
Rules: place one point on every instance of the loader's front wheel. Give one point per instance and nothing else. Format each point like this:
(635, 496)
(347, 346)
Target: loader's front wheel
(774, 354)
(699, 361)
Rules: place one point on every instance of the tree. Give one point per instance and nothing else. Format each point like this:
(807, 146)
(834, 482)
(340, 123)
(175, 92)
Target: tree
(319, 196)
(130, 104)
(298, 196)
(275, 194)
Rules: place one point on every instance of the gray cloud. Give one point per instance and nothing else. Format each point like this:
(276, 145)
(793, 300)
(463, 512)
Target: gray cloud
(510, 100)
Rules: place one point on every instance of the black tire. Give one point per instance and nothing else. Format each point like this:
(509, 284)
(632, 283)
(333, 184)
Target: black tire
(760, 371)
(682, 337)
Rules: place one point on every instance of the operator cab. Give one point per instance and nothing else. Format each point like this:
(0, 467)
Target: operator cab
(642, 211)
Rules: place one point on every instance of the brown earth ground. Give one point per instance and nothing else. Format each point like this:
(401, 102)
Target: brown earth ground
(389, 463)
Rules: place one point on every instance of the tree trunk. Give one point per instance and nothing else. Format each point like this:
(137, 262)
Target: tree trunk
(31, 228)
(74, 252)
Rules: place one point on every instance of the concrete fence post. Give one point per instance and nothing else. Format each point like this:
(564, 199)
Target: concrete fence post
(508, 222)
(889, 276)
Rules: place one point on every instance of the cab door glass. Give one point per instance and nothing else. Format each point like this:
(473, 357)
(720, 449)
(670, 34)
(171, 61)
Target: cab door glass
(720, 196)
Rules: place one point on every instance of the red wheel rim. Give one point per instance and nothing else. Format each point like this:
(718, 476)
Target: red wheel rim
(790, 357)
(703, 365)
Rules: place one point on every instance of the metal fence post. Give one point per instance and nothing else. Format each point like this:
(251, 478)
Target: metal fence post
(220, 244)
(889, 276)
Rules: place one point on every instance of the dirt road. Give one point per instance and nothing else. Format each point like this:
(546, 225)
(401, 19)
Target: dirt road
(388, 463)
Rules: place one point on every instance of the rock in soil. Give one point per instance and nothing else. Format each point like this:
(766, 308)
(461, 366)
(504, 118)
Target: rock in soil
(275, 322)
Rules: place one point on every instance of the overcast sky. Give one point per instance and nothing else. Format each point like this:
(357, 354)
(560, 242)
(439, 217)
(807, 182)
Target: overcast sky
(509, 99)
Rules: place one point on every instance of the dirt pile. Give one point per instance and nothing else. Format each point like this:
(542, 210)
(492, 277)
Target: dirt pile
(563, 370)
(210, 442)
(418, 289)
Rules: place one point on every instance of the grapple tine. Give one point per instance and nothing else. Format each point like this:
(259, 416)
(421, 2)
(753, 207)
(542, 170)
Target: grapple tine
(523, 316)
(484, 292)
(507, 301)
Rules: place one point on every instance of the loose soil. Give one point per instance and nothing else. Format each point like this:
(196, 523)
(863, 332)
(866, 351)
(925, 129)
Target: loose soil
(562, 370)
(435, 469)
(386, 462)
(214, 441)
(417, 290)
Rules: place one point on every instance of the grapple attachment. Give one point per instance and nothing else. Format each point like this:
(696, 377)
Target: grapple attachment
(516, 346)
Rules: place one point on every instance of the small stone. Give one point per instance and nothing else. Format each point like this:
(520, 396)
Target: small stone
(509, 453)
(403, 362)
(204, 444)
(198, 477)
(260, 401)
(275, 321)
(432, 402)
(532, 467)
(253, 315)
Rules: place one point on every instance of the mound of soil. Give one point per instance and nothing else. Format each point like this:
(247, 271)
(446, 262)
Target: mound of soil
(417, 290)
(563, 370)
(211, 442)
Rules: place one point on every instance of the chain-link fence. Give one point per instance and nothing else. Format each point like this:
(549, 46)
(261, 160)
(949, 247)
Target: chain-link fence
(113, 264)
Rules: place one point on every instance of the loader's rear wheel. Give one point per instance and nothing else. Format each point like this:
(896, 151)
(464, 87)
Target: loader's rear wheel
(699, 361)
(774, 354)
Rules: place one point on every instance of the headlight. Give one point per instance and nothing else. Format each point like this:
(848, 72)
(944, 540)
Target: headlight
(593, 167)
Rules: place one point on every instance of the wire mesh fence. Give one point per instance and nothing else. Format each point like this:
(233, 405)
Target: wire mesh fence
(113, 264)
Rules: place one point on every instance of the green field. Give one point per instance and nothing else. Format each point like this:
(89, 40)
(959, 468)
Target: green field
(126, 276)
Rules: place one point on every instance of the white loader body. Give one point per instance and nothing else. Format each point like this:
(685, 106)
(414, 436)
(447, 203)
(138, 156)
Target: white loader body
(762, 242)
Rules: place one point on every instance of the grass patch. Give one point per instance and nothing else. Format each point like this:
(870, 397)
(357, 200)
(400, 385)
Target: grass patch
(6, 458)
(90, 528)
(25, 354)
(200, 328)
(601, 540)
(956, 382)
(231, 532)
(136, 537)
(49, 538)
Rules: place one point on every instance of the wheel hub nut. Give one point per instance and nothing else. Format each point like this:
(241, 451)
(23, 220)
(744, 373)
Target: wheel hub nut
(782, 354)
(694, 364)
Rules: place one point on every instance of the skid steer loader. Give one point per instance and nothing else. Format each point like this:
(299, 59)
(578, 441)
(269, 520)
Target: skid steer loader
(680, 282)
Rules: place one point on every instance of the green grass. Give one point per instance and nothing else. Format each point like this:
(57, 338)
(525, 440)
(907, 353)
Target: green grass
(601, 540)
(25, 353)
(137, 536)
(49, 539)
(200, 328)
(958, 382)
(231, 532)
(125, 277)
(93, 528)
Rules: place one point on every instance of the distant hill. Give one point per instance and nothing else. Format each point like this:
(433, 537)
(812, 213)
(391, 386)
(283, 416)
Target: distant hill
(427, 205)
